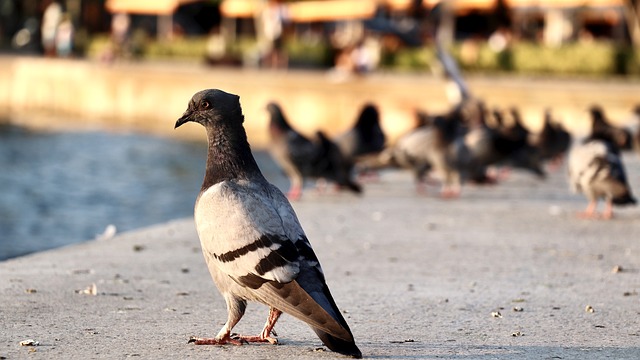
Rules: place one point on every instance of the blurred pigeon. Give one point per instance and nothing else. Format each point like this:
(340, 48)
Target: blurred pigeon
(487, 146)
(423, 118)
(302, 158)
(365, 137)
(508, 144)
(430, 148)
(553, 141)
(596, 170)
(601, 128)
(251, 239)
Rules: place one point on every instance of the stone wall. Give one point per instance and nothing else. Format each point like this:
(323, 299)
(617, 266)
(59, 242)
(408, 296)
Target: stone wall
(79, 94)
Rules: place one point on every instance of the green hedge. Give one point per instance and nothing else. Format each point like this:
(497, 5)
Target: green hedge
(595, 58)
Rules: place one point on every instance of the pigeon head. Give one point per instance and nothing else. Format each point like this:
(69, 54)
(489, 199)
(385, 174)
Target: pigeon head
(369, 117)
(596, 112)
(278, 120)
(209, 107)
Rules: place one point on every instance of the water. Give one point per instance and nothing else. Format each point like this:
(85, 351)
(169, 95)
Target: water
(63, 188)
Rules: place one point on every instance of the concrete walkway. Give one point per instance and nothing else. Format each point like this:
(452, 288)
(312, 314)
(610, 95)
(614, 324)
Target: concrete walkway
(505, 272)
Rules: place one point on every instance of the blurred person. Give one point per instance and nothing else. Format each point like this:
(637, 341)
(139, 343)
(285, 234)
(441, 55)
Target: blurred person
(50, 20)
(344, 40)
(26, 39)
(64, 36)
(500, 39)
(120, 24)
(366, 55)
(270, 31)
(216, 46)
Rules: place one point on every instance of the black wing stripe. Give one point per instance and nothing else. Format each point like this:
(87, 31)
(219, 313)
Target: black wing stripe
(264, 241)
(285, 254)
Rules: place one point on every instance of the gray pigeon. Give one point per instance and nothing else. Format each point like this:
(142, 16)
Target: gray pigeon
(596, 170)
(430, 148)
(251, 239)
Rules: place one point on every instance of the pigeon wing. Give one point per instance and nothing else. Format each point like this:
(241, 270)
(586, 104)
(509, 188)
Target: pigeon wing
(242, 235)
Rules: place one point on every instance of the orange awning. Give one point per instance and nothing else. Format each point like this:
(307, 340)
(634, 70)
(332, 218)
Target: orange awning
(306, 11)
(324, 10)
(153, 7)
(239, 8)
(329, 10)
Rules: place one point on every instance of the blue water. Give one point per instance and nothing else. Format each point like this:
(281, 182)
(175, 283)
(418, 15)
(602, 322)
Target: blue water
(63, 188)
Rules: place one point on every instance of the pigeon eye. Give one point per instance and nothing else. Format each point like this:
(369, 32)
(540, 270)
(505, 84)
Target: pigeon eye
(205, 104)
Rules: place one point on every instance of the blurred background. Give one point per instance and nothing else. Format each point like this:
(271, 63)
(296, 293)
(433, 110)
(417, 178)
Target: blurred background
(588, 36)
(122, 71)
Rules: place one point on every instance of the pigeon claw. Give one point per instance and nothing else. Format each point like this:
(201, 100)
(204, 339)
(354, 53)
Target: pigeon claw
(214, 341)
(255, 339)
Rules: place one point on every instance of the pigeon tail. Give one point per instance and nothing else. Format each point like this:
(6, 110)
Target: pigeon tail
(338, 345)
(336, 167)
(625, 199)
(353, 186)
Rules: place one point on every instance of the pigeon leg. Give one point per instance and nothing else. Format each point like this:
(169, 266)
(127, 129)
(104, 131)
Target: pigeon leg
(607, 213)
(450, 192)
(236, 309)
(294, 193)
(368, 176)
(555, 163)
(265, 336)
(321, 186)
(503, 173)
(421, 187)
(590, 211)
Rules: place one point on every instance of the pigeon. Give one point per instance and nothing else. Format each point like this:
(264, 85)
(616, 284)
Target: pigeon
(302, 158)
(596, 170)
(251, 238)
(433, 147)
(601, 128)
(505, 145)
(365, 138)
(553, 141)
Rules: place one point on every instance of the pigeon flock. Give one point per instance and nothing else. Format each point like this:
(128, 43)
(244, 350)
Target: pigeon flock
(302, 158)
(466, 144)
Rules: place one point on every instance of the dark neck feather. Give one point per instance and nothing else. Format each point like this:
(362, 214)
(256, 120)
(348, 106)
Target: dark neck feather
(229, 157)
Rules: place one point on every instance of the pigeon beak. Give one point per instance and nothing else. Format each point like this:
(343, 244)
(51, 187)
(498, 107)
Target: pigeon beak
(186, 117)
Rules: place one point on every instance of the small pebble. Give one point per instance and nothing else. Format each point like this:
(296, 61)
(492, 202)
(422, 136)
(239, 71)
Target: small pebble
(589, 309)
(29, 342)
(91, 290)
